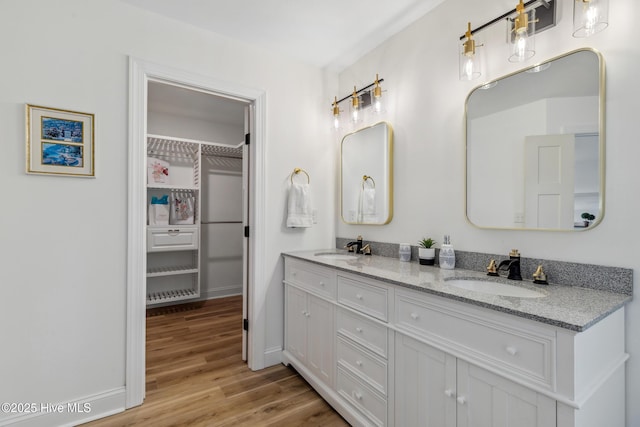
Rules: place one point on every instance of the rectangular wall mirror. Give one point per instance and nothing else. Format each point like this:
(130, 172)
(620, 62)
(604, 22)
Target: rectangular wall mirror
(366, 185)
(535, 146)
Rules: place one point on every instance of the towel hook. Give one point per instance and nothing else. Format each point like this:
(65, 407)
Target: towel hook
(297, 171)
(367, 177)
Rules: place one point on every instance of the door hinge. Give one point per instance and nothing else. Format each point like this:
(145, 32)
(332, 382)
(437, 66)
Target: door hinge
(246, 231)
(247, 138)
(245, 324)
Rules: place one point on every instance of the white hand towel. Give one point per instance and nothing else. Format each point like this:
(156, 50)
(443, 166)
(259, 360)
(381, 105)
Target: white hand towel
(368, 206)
(299, 211)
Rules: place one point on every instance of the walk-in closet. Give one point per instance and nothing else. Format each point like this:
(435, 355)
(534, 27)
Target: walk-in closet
(195, 195)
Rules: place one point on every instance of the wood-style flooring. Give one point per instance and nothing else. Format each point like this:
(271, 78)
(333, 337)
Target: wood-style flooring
(196, 376)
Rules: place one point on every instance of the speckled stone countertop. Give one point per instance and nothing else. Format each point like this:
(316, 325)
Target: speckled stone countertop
(570, 307)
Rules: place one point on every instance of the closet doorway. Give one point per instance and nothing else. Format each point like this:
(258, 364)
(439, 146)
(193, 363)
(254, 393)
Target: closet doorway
(201, 137)
(202, 129)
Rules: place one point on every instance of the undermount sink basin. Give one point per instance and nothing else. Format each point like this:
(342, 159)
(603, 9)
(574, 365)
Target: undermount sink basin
(494, 288)
(335, 255)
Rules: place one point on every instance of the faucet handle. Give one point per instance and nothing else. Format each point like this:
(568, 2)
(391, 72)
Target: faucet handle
(539, 277)
(366, 249)
(492, 269)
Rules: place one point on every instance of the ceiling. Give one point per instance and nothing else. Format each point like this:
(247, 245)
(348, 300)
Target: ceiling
(327, 33)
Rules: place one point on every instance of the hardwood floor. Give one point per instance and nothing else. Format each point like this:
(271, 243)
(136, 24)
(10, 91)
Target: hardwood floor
(195, 376)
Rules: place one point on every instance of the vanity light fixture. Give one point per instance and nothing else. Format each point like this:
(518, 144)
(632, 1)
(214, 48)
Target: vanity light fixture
(590, 17)
(368, 96)
(336, 113)
(355, 107)
(377, 96)
(528, 18)
(521, 34)
(469, 62)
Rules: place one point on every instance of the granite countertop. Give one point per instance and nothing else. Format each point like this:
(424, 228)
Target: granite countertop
(569, 307)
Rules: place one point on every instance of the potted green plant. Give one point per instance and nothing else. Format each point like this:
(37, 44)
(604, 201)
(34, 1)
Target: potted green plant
(587, 217)
(427, 251)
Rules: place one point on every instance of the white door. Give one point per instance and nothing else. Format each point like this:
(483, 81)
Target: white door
(425, 392)
(488, 400)
(549, 181)
(296, 323)
(321, 338)
(246, 264)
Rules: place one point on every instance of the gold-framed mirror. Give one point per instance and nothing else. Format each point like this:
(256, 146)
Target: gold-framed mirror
(366, 175)
(535, 146)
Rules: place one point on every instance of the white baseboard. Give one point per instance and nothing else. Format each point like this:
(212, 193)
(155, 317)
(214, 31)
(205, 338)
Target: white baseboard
(70, 413)
(272, 356)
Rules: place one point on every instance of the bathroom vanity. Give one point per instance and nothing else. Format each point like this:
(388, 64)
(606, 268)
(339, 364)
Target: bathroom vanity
(390, 343)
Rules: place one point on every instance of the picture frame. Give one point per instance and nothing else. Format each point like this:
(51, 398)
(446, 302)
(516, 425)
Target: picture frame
(60, 142)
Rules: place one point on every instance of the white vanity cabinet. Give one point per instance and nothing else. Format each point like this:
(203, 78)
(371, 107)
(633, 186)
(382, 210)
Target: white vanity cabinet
(309, 319)
(404, 358)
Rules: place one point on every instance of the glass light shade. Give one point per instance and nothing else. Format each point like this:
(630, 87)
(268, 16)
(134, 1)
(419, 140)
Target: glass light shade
(356, 113)
(470, 64)
(521, 36)
(590, 17)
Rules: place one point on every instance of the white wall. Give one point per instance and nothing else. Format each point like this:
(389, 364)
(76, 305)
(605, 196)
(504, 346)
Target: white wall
(420, 68)
(64, 240)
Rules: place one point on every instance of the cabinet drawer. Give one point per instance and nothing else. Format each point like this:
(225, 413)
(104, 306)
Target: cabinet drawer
(365, 297)
(362, 398)
(172, 238)
(315, 279)
(369, 367)
(363, 331)
(503, 344)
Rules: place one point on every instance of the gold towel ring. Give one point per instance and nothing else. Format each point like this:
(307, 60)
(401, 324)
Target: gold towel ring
(297, 171)
(365, 178)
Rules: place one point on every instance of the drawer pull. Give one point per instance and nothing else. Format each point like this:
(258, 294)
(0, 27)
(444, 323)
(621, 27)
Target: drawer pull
(449, 393)
(359, 363)
(359, 296)
(461, 400)
(173, 232)
(414, 316)
(357, 395)
(512, 350)
(358, 329)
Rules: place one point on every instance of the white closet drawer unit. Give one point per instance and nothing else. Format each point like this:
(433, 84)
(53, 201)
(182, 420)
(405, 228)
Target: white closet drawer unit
(172, 238)
(362, 398)
(370, 368)
(364, 297)
(318, 280)
(528, 353)
(363, 331)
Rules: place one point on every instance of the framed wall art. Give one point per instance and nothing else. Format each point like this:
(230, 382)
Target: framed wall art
(60, 142)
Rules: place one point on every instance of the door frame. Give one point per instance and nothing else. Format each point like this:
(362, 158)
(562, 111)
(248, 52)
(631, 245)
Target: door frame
(140, 72)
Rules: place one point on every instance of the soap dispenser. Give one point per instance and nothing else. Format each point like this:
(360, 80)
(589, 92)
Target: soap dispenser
(447, 255)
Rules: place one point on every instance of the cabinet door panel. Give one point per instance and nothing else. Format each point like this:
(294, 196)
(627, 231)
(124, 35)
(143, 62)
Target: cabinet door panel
(296, 322)
(488, 400)
(425, 385)
(321, 339)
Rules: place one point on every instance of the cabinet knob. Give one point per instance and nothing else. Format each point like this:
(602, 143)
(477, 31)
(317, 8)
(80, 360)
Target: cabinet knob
(359, 296)
(359, 363)
(449, 393)
(357, 395)
(512, 350)
(461, 400)
(359, 329)
(321, 283)
(414, 316)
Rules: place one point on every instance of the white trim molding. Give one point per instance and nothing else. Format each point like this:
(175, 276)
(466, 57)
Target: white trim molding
(140, 73)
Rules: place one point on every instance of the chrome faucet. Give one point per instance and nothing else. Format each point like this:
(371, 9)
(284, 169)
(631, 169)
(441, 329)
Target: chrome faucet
(512, 264)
